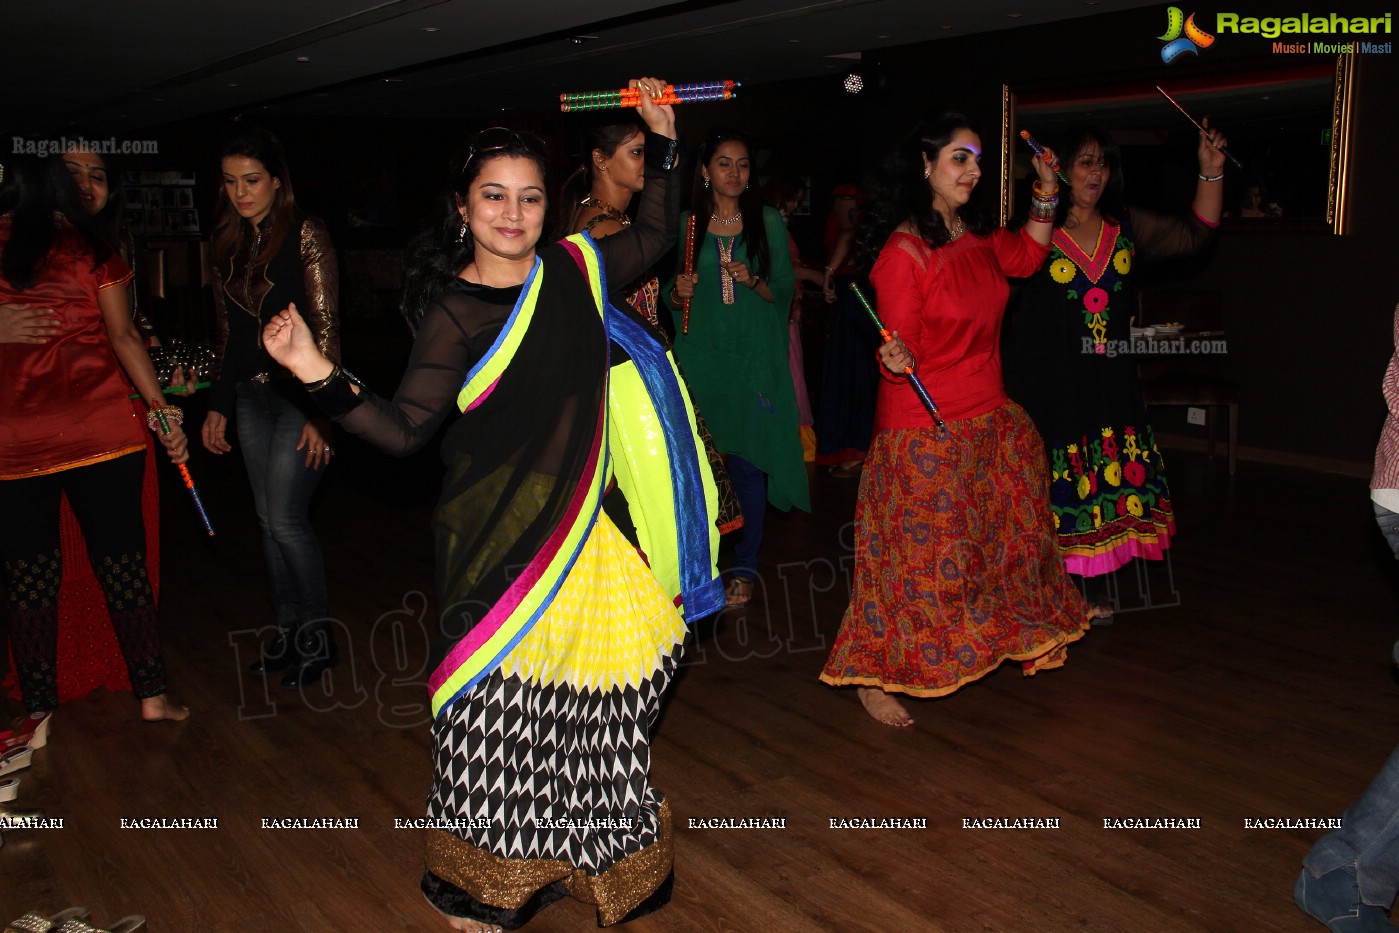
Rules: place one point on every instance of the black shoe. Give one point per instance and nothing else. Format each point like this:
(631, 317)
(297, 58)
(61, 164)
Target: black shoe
(279, 655)
(316, 654)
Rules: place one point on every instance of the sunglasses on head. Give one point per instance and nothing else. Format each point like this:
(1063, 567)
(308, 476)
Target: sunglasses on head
(499, 138)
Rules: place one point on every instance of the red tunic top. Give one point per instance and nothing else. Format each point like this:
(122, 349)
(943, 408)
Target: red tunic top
(63, 403)
(947, 305)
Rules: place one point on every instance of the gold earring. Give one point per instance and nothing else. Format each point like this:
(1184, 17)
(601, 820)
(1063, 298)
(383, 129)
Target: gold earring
(706, 183)
(461, 234)
(927, 172)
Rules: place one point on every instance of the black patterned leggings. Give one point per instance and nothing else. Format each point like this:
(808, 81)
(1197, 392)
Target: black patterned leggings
(106, 499)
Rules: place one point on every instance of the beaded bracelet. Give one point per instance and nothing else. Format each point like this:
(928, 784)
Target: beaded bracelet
(1204, 177)
(1043, 209)
(171, 412)
(322, 383)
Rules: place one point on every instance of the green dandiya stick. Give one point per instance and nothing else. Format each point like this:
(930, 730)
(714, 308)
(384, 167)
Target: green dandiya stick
(175, 390)
(913, 380)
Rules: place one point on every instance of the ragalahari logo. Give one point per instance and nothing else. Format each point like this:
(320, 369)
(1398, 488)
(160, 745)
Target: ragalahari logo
(1177, 44)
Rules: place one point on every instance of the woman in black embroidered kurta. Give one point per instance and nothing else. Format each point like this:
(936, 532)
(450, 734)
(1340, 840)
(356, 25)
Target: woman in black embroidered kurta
(1064, 363)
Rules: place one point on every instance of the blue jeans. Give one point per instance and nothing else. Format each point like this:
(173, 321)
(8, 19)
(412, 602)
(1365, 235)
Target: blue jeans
(269, 428)
(1369, 839)
(1389, 526)
(750, 485)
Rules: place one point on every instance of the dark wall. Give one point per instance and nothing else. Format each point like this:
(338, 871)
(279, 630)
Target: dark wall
(1308, 314)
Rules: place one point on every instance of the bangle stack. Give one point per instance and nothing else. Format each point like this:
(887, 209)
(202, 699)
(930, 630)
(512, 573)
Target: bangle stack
(757, 280)
(169, 412)
(1043, 206)
(322, 383)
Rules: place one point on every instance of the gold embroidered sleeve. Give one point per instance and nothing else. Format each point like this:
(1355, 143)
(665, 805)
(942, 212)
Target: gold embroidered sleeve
(322, 287)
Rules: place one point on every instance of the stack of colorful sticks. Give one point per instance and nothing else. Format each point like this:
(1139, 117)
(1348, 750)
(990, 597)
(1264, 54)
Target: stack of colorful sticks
(631, 97)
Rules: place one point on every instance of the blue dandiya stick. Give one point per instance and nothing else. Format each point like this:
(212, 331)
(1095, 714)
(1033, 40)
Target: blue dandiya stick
(1039, 151)
(184, 470)
(913, 380)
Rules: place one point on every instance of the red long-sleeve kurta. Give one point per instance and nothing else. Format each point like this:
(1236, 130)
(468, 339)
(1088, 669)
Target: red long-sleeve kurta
(63, 402)
(947, 305)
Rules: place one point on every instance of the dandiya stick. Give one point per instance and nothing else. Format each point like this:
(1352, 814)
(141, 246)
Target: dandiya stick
(635, 101)
(174, 390)
(1174, 103)
(670, 90)
(689, 269)
(913, 380)
(631, 97)
(1039, 151)
(184, 470)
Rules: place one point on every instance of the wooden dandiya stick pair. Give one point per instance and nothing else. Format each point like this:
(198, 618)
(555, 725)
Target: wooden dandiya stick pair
(631, 97)
(913, 379)
(184, 469)
(1176, 104)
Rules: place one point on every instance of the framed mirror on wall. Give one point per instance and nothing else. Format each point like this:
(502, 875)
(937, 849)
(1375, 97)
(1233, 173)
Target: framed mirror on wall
(1290, 127)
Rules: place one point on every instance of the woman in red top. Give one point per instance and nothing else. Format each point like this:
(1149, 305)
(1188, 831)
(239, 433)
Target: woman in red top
(66, 428)
(956, 564)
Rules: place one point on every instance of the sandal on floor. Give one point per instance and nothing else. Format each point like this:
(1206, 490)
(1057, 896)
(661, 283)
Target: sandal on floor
(37, 923)
(739, 592)
(15, 759)
(125, 925)
(31, 730)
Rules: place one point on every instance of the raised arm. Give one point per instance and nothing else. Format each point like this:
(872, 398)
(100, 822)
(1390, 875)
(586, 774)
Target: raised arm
(451, 337)
(631, 252)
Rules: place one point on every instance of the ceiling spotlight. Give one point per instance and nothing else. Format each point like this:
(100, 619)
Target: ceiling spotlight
(303, 58)
(853, 83)
(579, 40)
(432, 29)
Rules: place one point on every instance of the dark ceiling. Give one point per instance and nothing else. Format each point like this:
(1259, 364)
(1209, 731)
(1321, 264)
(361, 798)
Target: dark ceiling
(120, 66)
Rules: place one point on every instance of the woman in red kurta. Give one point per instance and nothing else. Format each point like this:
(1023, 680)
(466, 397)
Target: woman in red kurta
(69, 355)
(956, 564)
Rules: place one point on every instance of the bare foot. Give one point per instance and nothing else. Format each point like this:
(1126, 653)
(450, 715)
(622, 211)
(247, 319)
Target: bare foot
(739, 592)
(157, 708)
(883, 707)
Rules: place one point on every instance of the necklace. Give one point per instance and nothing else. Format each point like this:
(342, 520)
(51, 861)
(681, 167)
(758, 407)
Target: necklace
(608, 210)
(726, 221)
(958, 227)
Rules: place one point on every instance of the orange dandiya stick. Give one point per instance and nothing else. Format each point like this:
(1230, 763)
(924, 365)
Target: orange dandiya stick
(689, 267)
(1039, 151)
(184, 470)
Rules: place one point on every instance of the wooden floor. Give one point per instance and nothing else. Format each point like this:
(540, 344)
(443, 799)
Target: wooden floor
(1265, 693)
